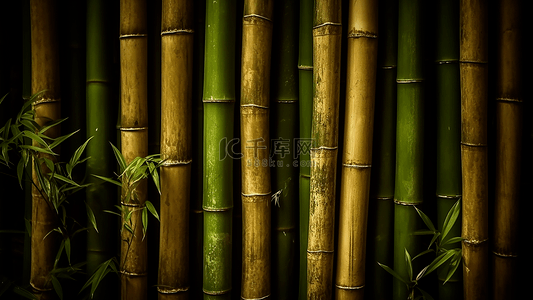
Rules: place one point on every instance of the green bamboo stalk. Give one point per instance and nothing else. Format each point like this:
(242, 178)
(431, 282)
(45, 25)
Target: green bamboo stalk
(474, 152)
(357, 154)
(324, 133)
(45, 76)
(219, 102)
(100, 113)
(305, 103)
(508, 152)
(196, 212)
(381, 209)
(448, 95)
(284, 130)
(409, 140)
(176, 140)
(134, 142)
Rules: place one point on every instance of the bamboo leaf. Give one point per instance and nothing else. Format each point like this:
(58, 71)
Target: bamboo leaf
(57, 287)
(439, 260)
(75, 159)
(91, 217)
(24, 293)
(120, 159)
(67, 248)
(61, 139)
(422, 253)
(451, 217)
(112, 212)
(65, 179)
(452, 240)
(426, 219)
(454, 264)
(409, 264)
(43, 129)
(20, 170)
(35, 137)
(38, 149)
(152, 209)
(144, 217)
(422, 273)
(115, 182)
(393, 273)
(425, 294)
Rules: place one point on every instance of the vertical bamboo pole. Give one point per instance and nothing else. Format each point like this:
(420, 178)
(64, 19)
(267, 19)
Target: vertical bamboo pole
(474, 89)
(100, 112)
(284, 132)
(357, 156)
(219, 102)
(45, 76)
(176, 109)
(508, 151)
(448, 95)
(409, 139)
(134, 141)
(327, 30)
(305, 102)
(255, 98)
(381, 209)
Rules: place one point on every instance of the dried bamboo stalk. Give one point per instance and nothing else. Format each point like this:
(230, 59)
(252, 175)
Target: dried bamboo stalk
(357, 155)
(176, 140)
(134, 141)
(327, 31)
(508, 152)
(474, 92)
(256, 190)
(45, 76)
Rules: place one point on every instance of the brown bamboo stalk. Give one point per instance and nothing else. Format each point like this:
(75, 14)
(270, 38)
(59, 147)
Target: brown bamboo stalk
(327, 30)
(474, 96)
(508, 153)
(45, 76)
(357, 154)
(176, 147)
(134, 141)
(256, 190)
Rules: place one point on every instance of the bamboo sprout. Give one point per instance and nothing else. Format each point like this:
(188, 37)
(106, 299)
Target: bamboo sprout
(45, 76)
(176, 109)
(134, 142)
(357, 156)
(508, 152)
(284, 133)
(305, 102)
(381, 210)
(219, 102)
(409, 140)
(255, 85)
(448, 94)
(100, 124)
(474, 88)
(324, 133)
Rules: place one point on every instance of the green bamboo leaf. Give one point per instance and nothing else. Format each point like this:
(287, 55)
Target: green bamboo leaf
(38, 149)
(43, 129)
(439, 260)
(91, 217)
(409, 263)
(433, 239)
(393, 273)
(451, 217)
(422, 273)
(61, 139)
(128, 228)
(144, 217)
(75, 159)
(426, 219)
(454, 264)
(30, 125)
(115, 182)
(102, 270)
(49, 163)
(425, 294)
(155, 178)
(35, 137)
(67, 248)
(3, 97)
(59, 251)
(423, 253)
(120, 159)
(5, 130)
(152, 209)
(24, 293)
(112, 212)
(65, 179)
(20, 170)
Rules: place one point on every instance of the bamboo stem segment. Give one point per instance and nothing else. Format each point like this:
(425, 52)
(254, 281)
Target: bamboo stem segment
(474, 92)
(357, 156)
(327, 31)
(176, 127)
(45, 76)
(508, 153)
(134, 137)
(256, 190)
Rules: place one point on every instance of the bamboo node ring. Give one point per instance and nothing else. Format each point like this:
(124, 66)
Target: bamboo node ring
(257, 16)
(504, 255)
(177, 31)
(132, 35)
(264, 297)
(406, 203)
(357, 166)
(163, 290)
(350, 287)
(504, 99)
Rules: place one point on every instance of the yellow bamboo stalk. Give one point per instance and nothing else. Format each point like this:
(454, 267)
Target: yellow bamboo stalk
(45, 76)
(134, 141)
(508, 150)
(357, 155)
(474, 96)
(176, 147)
(256, 190)
(327, 30)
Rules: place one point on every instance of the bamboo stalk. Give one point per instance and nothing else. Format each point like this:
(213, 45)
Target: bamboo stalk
(324, 133)
(357, 156)
(100, 111)
(219, 102)
(134, 142)
(284, 133)
(474, 89)
(381, 210)
(448, 94)
(305, 102)
(176, 109)
(409, 140)
(45, 76)
(255, 97)
(508, 152)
